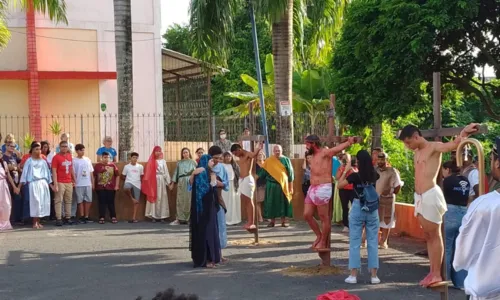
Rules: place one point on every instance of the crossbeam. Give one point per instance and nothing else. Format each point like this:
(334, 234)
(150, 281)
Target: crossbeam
(444, 132)
(253, 138)
(335, 139)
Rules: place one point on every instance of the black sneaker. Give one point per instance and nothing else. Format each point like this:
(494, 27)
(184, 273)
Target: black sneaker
(82, 220)
(87, 220)
(59, 223)
(68, 222)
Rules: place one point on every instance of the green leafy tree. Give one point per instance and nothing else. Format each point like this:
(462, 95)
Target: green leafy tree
(212, 28)
(388, 48)
(177, 39)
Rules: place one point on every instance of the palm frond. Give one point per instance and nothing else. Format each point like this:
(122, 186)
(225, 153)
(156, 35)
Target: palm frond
(4, 31)
(273, 10)
(327, 17)
(55, 9)
(211, 25)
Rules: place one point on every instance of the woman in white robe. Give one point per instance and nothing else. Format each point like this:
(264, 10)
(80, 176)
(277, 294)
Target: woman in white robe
(36, 174)
(231, 197)
(5, 199)
(154, 186)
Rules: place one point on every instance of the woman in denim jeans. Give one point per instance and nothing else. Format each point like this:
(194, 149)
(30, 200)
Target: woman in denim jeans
(456, 193)
(359, 218)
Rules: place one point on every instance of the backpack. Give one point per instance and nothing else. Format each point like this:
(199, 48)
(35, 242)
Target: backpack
(369, 198)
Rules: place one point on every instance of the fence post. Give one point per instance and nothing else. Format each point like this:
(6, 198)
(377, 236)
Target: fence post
(213, 129)
(81, 128)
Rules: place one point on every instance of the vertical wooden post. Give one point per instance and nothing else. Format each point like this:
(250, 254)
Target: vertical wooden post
(177, 109)
(251, 123)
(331, 121)
(436, 100)
(209, 95)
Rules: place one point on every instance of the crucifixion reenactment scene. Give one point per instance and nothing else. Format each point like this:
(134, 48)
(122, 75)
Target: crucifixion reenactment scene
(249, 149)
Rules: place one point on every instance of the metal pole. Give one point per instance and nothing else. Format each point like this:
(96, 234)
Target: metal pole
(259, 75)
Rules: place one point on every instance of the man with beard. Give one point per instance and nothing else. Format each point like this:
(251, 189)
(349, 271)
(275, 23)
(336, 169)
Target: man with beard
(321, 189)
(477, 245)
(388, 185)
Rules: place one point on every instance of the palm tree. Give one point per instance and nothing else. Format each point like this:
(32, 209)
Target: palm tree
(211, 27)
(123, 48)
(56, 9)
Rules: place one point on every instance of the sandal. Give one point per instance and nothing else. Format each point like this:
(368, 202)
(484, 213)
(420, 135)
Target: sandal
(270, 224)
(133, 221)
(114, 220)
(101, 221)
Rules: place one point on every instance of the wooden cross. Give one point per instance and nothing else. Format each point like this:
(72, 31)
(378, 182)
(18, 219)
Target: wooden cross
(437, 132)
(253, 139)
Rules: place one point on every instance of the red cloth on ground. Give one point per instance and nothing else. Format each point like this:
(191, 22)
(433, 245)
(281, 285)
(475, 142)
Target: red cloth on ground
(148, 186)
(338, 295)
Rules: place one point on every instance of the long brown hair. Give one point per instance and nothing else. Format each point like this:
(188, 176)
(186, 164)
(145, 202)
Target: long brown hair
(189, 151)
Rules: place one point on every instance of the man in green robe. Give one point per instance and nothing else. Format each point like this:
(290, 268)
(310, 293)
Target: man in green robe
(278, 172)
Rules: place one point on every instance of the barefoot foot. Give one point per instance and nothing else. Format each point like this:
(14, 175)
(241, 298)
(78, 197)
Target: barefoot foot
(316, 242)
(433, 280)
(421, 283)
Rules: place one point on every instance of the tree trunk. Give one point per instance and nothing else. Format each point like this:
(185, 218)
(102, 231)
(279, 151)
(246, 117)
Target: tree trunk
(123, 47)
(376, 136)
(282, 36)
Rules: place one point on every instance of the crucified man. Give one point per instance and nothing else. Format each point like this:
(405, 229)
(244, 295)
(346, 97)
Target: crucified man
(430, 204)
(321, 190)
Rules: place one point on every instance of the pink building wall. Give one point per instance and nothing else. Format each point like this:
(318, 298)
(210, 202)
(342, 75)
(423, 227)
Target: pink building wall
(87, 44)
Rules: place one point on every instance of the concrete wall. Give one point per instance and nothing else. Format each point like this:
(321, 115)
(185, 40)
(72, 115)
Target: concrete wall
(406, 223)
(86, 43)
(13, 57)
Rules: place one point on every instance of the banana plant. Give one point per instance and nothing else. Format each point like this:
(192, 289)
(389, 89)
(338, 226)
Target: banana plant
(253, 96)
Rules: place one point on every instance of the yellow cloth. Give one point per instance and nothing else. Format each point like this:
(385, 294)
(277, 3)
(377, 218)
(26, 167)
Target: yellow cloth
(277, 170)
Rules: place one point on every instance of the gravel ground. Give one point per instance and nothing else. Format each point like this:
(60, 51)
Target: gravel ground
(124, 261)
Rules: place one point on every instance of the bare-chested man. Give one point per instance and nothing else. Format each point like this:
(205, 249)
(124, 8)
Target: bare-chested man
(247, 182)
(430, 204)
(321, 190)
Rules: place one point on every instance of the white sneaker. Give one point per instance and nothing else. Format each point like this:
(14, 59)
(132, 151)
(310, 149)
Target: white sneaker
(351, 279)
(346, 229)
(176, 222)
(375, 280)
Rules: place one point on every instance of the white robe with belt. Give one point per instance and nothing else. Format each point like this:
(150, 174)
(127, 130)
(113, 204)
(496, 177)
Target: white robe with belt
(478, 248)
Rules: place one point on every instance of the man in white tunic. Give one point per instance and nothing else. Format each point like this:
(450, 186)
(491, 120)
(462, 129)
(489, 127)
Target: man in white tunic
(478, 244)
(36, 174)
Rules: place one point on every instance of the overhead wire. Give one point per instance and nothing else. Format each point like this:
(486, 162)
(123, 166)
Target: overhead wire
(81, 41)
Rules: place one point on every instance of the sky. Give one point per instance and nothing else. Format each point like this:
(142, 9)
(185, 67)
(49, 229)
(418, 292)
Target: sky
(173, 11)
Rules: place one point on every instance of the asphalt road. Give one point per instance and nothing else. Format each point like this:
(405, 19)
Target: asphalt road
(124, 261)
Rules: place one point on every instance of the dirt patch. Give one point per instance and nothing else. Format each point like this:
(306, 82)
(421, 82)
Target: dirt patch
(250, 242)
(311, 271)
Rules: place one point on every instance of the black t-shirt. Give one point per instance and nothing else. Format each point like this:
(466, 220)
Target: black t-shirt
(355, 180)
(456, 190)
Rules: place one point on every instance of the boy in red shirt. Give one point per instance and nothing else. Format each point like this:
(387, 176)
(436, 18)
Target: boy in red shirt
(107, 182)
(63, 177)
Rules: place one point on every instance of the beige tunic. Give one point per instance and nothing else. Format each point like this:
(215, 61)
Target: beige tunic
(389, 180)
(160, 210)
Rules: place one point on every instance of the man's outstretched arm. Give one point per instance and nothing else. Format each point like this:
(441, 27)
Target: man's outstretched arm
(453, 145)
(333, 151)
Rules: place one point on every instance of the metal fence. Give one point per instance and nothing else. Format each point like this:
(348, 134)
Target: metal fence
(88, 129)
(172, 131)
(200, 127)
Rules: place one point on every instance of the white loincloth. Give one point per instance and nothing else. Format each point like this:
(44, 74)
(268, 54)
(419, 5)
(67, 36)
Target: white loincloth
(431, 205)
(247, 186)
